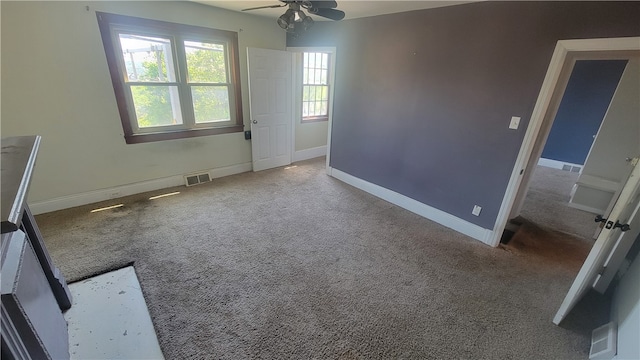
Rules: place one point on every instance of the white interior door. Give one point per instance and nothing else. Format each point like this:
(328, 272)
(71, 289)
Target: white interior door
(270, 98)
(605, 169)
(619, 251)
(625, 211)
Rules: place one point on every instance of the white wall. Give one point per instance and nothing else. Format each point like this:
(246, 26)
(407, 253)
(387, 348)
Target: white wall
(626, 312)
(311, 135)
(55, 83)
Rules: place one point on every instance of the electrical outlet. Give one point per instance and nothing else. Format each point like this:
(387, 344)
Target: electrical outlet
(515, 122)
(476, 210)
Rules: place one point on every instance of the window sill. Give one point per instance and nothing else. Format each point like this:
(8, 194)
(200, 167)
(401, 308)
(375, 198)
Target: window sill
(314, 119)
(180, 134)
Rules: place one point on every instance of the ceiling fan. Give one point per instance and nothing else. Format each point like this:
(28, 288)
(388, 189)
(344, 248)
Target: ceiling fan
(294, 20)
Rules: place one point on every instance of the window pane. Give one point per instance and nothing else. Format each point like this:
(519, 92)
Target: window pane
(312, 60)
(305, 93)
(313, 95)
(321, 93)
(315, 100)
(147, 58)
(315, 69)
(156, 105)
(211, 103)
(206, 62)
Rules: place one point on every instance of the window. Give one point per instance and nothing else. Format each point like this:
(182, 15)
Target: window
(172, 80)
(315, 86)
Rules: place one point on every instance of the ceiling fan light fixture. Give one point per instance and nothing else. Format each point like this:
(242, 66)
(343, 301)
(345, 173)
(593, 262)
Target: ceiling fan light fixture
(307, 23)
(295, 20)
(287, 19)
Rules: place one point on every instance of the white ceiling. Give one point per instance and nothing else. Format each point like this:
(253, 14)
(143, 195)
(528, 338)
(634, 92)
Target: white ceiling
(352, 8)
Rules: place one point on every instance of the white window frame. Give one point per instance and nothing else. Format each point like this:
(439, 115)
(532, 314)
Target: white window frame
(314, 118)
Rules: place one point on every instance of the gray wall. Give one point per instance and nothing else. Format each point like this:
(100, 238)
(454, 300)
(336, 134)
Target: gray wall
(423, 99)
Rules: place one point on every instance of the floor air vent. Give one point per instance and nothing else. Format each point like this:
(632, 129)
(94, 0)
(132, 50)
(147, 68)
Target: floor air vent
(575, 169)
(196, 179)
(603, 342)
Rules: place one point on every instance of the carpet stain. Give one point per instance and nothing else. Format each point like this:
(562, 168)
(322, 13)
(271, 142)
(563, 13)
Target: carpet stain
(349, 355)
(549, 245)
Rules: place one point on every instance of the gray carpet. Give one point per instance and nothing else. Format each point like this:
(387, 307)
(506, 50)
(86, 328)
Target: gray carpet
(295, 264)
(547, 202)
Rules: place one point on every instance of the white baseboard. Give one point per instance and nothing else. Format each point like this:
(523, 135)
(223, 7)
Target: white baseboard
(431, 213)
(599, 183)
(230, 170)
(307, 154)
(90, 197)
(555, 164)
(586, 208)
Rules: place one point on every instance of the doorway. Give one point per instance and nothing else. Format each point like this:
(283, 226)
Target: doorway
(609, 244)
(311, 135)
(549, 201)
(280, 132)
(567, 52)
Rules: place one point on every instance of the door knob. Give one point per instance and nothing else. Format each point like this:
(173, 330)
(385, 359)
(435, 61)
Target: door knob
(606, 224)
(599, 218)
(611, 224)
(255, 121)
(623, 227)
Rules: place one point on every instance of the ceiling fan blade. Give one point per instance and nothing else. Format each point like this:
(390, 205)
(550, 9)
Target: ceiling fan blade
(324, 4)
(264, 7)
(332, 14)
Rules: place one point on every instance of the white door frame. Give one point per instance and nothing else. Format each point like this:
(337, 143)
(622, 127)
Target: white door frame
(297, 87)
(564, 57)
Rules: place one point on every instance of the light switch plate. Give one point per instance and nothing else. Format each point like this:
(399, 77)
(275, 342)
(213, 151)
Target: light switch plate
(476, 210)
(515, 122)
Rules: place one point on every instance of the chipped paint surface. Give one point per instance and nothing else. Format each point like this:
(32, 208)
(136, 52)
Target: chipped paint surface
(109, 319)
